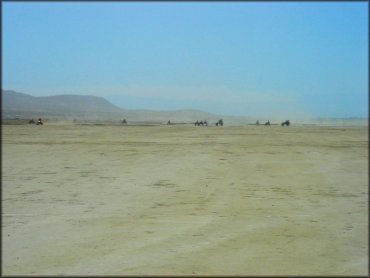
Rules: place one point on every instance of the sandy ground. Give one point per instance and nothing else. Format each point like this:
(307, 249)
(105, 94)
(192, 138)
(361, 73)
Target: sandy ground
(184, 200)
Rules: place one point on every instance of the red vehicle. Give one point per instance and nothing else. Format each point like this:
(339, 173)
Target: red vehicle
(39, 122)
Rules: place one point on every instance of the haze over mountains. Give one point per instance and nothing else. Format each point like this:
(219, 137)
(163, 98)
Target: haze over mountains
(70, 107)
(84, 107)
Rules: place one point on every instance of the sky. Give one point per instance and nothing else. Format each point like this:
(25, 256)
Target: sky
(258, 59)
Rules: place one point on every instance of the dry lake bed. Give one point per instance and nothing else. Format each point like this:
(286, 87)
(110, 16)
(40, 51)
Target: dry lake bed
(184, 200)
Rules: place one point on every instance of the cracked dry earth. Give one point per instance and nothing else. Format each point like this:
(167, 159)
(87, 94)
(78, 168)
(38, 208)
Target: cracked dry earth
(184, 200)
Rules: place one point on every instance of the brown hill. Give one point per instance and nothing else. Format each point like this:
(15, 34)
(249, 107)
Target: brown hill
(68, 107)
(62, 106)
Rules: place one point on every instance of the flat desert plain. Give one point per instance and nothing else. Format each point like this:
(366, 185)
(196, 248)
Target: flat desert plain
(184, 200)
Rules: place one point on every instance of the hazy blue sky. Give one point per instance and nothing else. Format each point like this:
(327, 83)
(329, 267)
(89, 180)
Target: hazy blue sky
(238, 58)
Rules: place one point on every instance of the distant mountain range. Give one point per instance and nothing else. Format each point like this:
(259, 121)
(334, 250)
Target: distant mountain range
(79, 107)
(68, 107)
